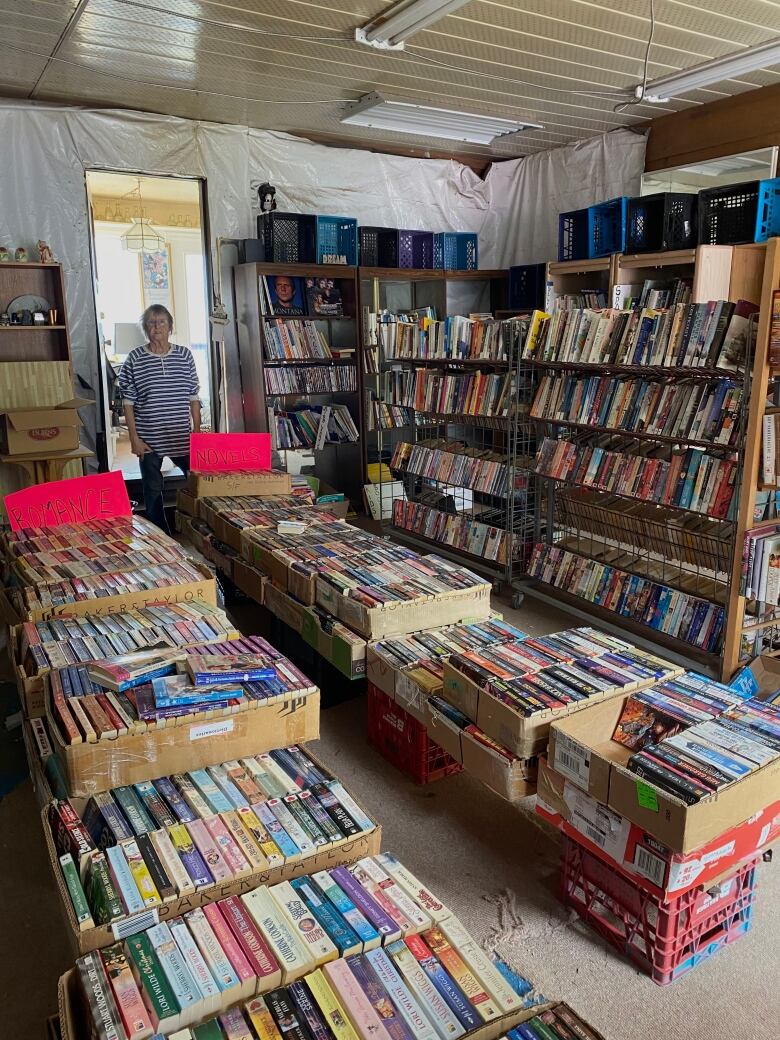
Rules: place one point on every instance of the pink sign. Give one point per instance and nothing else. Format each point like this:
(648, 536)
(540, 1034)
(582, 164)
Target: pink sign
(228, 452)
(101, 496)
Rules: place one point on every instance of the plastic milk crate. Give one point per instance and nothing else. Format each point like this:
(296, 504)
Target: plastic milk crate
(404, 741)
(667, 220)
(456, 251)
(415, 250)
(748, 212)
(664, 939)
(288, 238)
(378, 246)
(527, 285)
(337, 236)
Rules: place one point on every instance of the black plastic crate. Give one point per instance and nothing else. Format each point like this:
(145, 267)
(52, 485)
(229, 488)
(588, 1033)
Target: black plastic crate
(667, 220)
(378, 247)
(574, 233)
(747, 212)
(527, 285)
(289, 238)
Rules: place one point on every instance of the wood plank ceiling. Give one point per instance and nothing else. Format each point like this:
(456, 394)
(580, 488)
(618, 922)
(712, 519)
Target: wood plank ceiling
(561, 63)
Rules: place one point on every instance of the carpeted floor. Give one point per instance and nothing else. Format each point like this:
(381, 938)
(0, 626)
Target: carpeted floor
(492, 863)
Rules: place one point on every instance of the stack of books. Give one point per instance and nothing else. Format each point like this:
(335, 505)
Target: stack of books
(135, 848)
(688, 410)
(689, 479)
(675, 613)
(458, 530)
(448, 462)
(62, 642)
(131, 694)
(322, 379)
(293, 340)
(350, 954)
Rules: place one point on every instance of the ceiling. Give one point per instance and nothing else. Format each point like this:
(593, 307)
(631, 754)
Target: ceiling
(234, 61)
(153, 189)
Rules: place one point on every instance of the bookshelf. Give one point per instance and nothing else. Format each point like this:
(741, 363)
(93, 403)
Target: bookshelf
(456, 483)
(284, 384)
(661, 570)
(49, 342)
(573, 277)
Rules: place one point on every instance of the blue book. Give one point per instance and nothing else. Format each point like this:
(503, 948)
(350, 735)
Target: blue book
(176, 691)
(344, 938)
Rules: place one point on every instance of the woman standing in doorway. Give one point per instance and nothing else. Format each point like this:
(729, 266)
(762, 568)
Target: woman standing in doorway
(159, 388)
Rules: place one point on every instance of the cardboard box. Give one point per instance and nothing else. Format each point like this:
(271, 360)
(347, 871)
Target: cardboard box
(337, 644)
(223, 561)
(30, 687)
(261, 482)
(40, 784)
(349, 850)
(760, 679)
(203, 590)
(398, 618)
(195, 742)
(74, 1014)
(581, 748)
(265, 560)
(250, 580)
(186, 502)
(523, 736)
(397, 684)
(512, 780)
(654, 866)
(24, 431)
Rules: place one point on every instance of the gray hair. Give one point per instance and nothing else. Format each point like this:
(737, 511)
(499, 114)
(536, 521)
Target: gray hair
(155, 311)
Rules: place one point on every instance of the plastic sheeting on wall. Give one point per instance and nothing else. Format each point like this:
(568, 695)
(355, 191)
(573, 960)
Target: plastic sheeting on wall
(46, 151)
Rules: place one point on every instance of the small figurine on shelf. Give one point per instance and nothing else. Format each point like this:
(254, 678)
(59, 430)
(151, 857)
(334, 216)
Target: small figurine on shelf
(45, 253)
(5, 256)
(5, 318)
(266, 195)
(20, 256)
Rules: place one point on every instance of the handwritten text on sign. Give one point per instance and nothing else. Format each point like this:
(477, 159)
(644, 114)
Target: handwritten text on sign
(228, 452)
(102, 496)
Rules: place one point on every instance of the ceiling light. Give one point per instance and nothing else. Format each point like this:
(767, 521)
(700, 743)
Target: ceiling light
(141, 237)
(729, 67)
(406, 118)
(389, 30)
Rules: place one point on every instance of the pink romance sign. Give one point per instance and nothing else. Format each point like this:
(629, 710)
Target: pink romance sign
(229, 452)
(102, 496)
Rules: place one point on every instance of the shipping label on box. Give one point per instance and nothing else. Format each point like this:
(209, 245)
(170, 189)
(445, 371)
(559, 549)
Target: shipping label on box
(211, 485)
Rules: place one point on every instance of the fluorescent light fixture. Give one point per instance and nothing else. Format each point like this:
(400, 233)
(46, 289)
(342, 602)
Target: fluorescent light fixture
(405, 118)
(389, 30)
(728, 67)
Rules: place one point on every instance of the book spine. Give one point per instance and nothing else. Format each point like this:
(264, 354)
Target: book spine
(451, 960)
(215, 957)
(359, 1009)
(293, 958)
(384, 924)
(415, 1017)
(255, 947)
(365, 931)
(106, 1022)
(444, 1020)
(155, 990)
(204, 980)
(176, 971)
(190, 857)
(76, 892)
(447, 987)
(330, 1007)
(127, 996)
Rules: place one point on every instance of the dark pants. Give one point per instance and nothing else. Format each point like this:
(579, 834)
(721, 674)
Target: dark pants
(152, 482)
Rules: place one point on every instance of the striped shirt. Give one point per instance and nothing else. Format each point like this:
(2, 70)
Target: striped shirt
(160, 388)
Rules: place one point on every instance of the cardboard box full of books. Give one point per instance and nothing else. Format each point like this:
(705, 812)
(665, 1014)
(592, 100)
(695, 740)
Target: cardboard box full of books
(510, 778)
(341, 647)
(654, 866)
(582, 749)
(195, 741)
(338, 853)
(258, 482)
(186, 502)
(250, 580)
(523, 736)
(398, 684)
(400, 617)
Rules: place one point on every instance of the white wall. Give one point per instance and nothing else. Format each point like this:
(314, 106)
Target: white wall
(46, 150)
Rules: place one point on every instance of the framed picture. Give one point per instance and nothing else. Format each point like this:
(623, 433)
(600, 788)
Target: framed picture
(156, 278)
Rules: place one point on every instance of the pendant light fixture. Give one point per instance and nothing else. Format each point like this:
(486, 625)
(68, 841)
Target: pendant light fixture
(141, 236)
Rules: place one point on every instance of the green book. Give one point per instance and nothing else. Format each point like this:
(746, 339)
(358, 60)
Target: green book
(76, 892)
(208, 1031)
(104, 899)
(156, 990)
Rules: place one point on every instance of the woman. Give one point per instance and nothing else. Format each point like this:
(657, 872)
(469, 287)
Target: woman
(159, 388)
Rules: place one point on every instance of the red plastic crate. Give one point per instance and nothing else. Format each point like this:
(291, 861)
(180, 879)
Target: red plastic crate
(665, 939)
(404, 742)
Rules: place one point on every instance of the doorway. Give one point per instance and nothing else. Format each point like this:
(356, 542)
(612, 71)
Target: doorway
(148, 246)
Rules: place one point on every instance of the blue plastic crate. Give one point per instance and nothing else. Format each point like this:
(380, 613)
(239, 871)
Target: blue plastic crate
(415, 250)
(337, 236)
(608, 222)
(574, 234)
(456, 251)
(527, 285)
(747, 212)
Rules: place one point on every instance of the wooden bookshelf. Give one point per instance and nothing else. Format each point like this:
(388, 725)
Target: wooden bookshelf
(340, 465)
(730, 273)
(34, 342)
